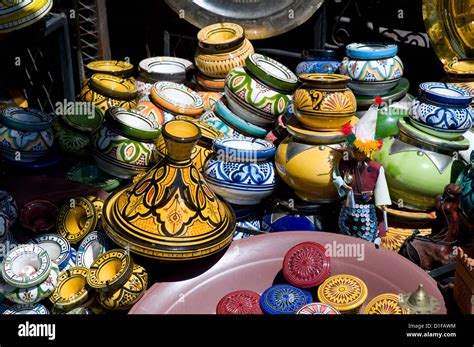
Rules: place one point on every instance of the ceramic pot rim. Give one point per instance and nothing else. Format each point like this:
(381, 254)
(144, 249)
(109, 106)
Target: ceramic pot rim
(325, 81)
(113, 118)
(286, 83)
(72, 120)
(464, 97)
(30, 308)
(146, 68)
(351, 305)
(7, 118)
(237, 32)
(94, 237)
(181, 139)
(375, 84)
(225, 150)
(98, 83)
(125, 69)
(299, 132)
(371, 50)
(395, 94)
(38, 277)
(208, 83)
(61, 242)
(35, 11)
(222, 111)
(267, 120)
(319, 54)
(90, 215)
(159, 97)
(119, 279)
(76, 299)
(453, 68)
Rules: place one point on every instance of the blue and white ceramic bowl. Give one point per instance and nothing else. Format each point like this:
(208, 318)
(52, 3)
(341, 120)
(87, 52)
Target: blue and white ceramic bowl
(318, 61)
(8, 206)
(57, 247)
(445, 94)
(371, 50)
(250, 222)
(26, 309)
(373, 70)
(244, 149)
(72, 262)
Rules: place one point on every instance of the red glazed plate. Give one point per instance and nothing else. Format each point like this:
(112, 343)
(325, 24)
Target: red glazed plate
(254, 263)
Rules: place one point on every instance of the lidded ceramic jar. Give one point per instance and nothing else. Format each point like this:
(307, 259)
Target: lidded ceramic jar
(170, 213)
(324, 102)
(374, 68)
(222, 47)
(242, 172)
(418, 166)
(123, 146)
(318, 61)
(25, 134)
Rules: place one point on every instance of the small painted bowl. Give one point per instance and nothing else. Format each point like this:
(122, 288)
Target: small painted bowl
(221, 36)
(445, 94)
(271, 73)
(38, 216)
(208, 83)
(27, 309)
(126, 296)
(27, 120)
(373, 70)
(104, 102)
(252, 100)
(91, 247)
(373, 88)
(58, 248)
(242, 172)
(346, 293)
(214, 121)
(90, 174)
(26, 266)
(124, 146)
(240, 124)
(177, 98)
(76, 218)
(166, 69)
(72, 289)
(34, 293)
(113, 86)
(8, 206)
(111, 67)
(318, 61)
(110, 271)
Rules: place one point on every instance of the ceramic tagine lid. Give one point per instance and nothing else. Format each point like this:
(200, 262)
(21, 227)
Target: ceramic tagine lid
(170, 213)
(19, 14)
(343, 292)
(419, 302)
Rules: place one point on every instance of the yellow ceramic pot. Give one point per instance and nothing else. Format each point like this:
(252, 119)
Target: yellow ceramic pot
(124, 297)
(307, 168)
(221, 49)
(212, 84)
(324, 102)
(111, 67)
(102, 101)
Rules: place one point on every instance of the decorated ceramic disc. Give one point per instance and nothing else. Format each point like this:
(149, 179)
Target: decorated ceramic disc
(343, 292)
(110, 271)
(76, 218)
(244, 149)
(25, 119)
(177, 98)
(26, 266)
(284, 299)
(93, 245)
(386, 303)
(240, 302)
(113, 86)
(317, 308)
(271, 72)
(371, 51)
(58, 248)
(306, 265)
(165, 69)
(27, 309)
(72, 289)
(111, 67)
(296, 129)
(445, 93)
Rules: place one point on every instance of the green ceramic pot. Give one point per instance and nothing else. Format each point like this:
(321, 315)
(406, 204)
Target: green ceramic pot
(70, 140)
(413, 179)
(90, 174)
(387, 121)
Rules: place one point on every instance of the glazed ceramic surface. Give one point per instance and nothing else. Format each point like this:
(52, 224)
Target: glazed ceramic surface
(247, 226)
(281, 220)
(240, 302)
(72, 289)
(386, 303)
(4, 227)
(217, 64)
(103, 102)
(210, 84)
(76, 218)
(346, 293)
(38, 216)
(25, 119)
(242, 172)
(465, 181)
(308, 169)
(111, 67)
(318, 61)
(170, 213)
(210, 98)
(405, 165)
(221, 36)
(387, 120)
(20, 14)
(271, 72)
(252, 100)
(165, 69)
(373, 70)
(58, 248)
(229, 117)
(8, 206)
(150, 111)
(284, 299)
(373, 88)
(445, 94)
(324, 102)
(177, 98)
(113, 86)
(214, 121)
(317, 308)
(90, 174)
(371, 50)
(110, 271)
(91, 247)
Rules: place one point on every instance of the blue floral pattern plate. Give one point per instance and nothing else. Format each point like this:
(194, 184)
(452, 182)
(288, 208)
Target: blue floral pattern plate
(284, 299)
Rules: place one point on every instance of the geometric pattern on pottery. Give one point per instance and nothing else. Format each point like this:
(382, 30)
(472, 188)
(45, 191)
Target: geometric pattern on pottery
(120, 148)
(443, 117)
(353, 291)
(260, 174)
(37, 141)
(359, 221)
(104, 102)
(307, 67)
(284, 299)
(312, 100)
(215, 122)
(256, 94)
(70, 140)
(8, 206)
(374, 70)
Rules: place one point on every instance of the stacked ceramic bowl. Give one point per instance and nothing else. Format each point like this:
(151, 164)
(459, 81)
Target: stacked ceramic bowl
(428, 146)
(123, 146)
(257, 95)
(117, 68)
(318, 61)
(25, 134)
(222, 47)
(374, 68)
(20, 14)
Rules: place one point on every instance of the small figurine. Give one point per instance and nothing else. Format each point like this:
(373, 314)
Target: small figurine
(362, 181)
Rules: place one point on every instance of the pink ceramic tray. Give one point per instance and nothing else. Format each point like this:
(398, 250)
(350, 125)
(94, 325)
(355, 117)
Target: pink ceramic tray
(255, 264)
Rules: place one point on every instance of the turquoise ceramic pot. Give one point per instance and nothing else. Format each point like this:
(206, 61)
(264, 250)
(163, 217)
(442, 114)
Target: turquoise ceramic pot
(465, 181)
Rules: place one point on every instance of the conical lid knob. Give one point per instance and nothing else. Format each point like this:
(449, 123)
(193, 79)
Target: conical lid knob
(170, 213)
(419, 298)
(419, 302)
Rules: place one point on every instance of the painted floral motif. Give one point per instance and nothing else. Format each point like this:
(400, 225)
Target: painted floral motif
(312, 100)
(373, 70)
(342, 290)
(308, 67)
(242, 173)
(449, 118)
